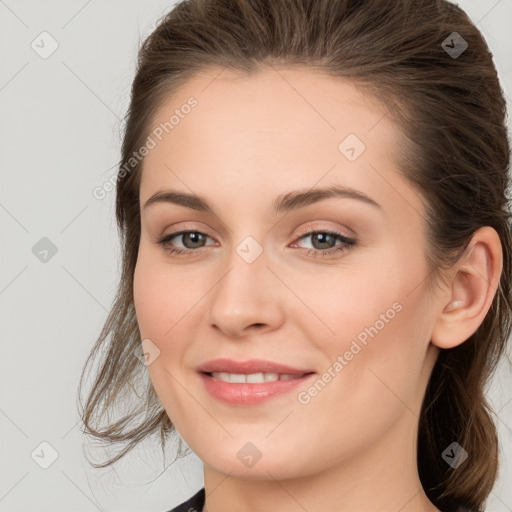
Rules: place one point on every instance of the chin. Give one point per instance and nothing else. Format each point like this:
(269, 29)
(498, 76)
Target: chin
(247, 460)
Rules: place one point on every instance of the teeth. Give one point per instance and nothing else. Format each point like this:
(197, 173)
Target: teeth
(254, 378)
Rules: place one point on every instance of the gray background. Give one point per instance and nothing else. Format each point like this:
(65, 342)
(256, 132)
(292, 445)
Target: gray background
(60, 119)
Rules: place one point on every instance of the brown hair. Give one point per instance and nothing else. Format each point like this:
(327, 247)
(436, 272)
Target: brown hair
(452, 113)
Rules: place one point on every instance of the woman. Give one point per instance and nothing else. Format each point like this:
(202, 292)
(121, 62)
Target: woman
(316, 255)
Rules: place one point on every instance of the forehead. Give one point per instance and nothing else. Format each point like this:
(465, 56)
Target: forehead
(277, 128)
(277, 100)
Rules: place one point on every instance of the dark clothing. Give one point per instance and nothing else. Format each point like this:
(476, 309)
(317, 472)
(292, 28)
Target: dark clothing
(196, 504)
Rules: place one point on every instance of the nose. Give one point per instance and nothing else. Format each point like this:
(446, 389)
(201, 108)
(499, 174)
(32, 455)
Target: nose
(248, 298)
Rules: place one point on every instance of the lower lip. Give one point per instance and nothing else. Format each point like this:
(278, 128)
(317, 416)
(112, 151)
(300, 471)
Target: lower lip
(250, 393)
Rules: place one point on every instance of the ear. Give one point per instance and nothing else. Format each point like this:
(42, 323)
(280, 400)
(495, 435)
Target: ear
(472, 286)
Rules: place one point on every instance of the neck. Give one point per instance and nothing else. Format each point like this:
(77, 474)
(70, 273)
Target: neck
(383, 478)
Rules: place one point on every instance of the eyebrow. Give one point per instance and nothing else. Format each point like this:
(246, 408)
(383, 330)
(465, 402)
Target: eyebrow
(284, 203)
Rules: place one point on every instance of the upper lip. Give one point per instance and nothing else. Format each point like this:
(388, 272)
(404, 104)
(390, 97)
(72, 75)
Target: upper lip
(250, 366)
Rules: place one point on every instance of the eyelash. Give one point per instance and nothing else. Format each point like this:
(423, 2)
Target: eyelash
(345, 246)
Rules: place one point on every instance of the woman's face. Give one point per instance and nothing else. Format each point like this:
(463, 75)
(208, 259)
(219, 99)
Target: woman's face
(332, 285)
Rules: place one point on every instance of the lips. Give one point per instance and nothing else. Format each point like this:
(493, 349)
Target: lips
(250, 367)
(250, 383)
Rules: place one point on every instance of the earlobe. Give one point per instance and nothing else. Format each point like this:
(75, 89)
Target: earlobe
(473, 285)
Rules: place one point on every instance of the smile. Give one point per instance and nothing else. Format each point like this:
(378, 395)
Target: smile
(252, 389)
(253, 378)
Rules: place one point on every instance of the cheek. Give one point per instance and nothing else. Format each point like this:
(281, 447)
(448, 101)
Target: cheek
(164, 297)
(377, 321)
(367, 291)
(164, 303)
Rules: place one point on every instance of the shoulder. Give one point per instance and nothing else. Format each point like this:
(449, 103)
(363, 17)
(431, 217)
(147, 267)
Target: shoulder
(194, 504)
(463, 508)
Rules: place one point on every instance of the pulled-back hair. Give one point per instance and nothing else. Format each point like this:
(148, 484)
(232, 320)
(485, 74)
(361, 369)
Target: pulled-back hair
(451, 110)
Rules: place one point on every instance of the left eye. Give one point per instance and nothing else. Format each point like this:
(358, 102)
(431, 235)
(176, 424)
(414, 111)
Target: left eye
(322, 240)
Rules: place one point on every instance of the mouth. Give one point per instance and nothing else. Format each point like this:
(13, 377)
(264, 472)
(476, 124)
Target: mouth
(251, 367)
(254, 378)
(252, 382)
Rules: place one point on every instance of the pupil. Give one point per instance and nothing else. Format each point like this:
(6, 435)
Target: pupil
(198, 236)
(323, 236)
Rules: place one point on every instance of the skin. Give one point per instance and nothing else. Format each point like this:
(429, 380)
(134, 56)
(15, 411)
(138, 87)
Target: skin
(353, 446)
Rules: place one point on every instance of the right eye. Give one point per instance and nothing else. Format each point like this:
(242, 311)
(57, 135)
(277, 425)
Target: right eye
(193, 239)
